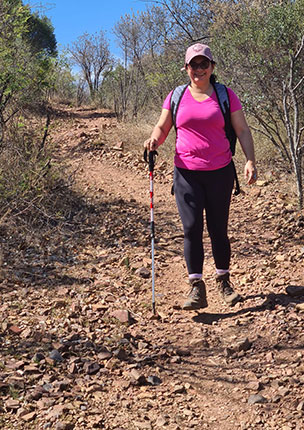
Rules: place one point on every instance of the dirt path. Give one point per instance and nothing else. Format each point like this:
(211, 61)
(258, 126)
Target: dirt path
(120, 368)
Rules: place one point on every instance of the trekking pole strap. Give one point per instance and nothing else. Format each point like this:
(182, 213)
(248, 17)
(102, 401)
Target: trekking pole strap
(237, 189)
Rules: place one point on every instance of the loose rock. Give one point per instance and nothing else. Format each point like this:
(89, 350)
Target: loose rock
(256, 398)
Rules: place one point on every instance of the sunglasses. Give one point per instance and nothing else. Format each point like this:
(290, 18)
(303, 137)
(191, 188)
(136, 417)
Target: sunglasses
(204, 64)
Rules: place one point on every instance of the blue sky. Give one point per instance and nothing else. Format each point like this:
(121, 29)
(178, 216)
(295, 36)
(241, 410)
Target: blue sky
(72, 18)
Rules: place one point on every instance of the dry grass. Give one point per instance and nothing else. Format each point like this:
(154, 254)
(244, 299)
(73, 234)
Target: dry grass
(136, 132)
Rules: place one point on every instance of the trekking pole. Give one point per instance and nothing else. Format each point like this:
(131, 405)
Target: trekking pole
(151, 162)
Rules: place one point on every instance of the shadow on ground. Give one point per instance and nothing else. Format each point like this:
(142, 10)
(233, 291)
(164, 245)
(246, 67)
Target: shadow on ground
(271, 300)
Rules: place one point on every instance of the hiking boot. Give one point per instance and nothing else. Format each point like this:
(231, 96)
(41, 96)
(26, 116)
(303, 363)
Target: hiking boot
(229, 295)
(197, 296)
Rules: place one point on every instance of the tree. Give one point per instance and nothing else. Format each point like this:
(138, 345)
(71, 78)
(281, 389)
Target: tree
(63, 87)
(40, 35)
(293, 89)
(153, 46)
(91, 53)
(190, 19)
(117, 87)
(130, 33)
(23, 73)
(262, 42)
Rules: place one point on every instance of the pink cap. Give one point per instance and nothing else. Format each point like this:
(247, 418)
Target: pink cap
(196, 50)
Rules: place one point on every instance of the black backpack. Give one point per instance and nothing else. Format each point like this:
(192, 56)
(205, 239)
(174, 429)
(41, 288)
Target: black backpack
(224, 102)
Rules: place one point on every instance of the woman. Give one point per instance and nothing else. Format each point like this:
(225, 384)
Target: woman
(203, 171)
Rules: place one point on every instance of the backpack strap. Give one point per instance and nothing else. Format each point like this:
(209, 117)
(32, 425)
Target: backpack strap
(224, 102)
(176, 97)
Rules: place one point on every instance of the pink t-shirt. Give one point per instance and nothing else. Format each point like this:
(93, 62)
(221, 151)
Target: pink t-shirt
(201, 142)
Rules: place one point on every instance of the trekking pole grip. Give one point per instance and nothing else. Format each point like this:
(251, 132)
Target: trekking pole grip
(151, 160)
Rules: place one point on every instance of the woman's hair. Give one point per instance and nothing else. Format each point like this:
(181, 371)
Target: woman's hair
(213, 76)
(213, 79)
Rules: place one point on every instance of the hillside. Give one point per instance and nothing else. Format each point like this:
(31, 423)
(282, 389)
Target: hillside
(79, 346)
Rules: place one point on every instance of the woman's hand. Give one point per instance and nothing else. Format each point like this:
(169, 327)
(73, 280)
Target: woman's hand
(151, 144)
(250, 172)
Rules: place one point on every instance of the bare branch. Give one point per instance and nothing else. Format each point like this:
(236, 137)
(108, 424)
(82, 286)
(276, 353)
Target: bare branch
(298, 84)
(300, 48)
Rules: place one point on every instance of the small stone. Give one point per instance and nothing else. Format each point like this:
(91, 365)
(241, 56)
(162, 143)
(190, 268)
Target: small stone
(154, 316)
(91, 367)
(38, 357)
(143, 425)
(261, 183)
(161, 421)
(119, 146)
(57, 411)
(254, 385)
(15, 329)
(47, 388)
(94, 389)
(98, 307)
(29, 417)
(15, 365)
(60, 304)
(178, 389)
(276, 399)
(104, 355)
(300, 406)
(256, 398)
(12, 404)
(37, 393)
(243, 345)
(31, 368)
(283, 391)
(269, 356)
(154, 380)
(26, 333)
(137, 378)
(143, 272)
(72, 368)
(123, 316)
(55, 355)
(64, 426)
(62, 385)
(300, 307)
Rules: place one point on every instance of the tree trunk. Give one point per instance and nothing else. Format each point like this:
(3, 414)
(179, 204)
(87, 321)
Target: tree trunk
(299, 180)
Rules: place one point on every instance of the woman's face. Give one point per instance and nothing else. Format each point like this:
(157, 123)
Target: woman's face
(200, 69)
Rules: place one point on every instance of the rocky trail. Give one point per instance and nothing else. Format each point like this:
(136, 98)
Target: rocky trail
(79, 346)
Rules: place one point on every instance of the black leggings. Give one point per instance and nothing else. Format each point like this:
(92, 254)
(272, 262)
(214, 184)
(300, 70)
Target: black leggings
(194, 192)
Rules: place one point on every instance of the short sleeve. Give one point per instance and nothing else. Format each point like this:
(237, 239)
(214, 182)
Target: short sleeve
(166, 104)
(235, 103)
